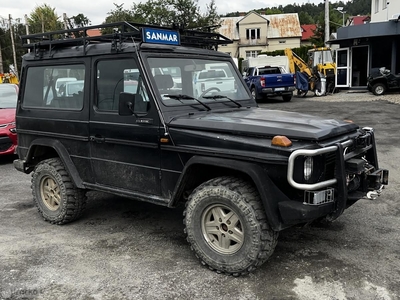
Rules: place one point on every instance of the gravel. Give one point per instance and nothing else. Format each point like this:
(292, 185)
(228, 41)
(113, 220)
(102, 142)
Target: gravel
(354, 95)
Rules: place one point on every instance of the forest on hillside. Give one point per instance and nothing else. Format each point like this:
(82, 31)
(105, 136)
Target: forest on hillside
(310, 13)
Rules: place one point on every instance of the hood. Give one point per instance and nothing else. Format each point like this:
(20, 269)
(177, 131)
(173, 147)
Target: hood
(7, 115)
(264, 122)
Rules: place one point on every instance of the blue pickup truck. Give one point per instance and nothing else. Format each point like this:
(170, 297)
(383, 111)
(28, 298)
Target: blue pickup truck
(268, 81)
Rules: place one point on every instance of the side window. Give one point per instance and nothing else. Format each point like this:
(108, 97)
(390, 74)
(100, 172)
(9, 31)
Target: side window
(55, 87)
(116, 76)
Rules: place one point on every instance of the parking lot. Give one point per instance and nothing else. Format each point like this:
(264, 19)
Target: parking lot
(124, 249)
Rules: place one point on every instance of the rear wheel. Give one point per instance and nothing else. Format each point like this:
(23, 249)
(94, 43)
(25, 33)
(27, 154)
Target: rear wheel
(379, 89)
(58, 200)
(226, 226)
(287, 98)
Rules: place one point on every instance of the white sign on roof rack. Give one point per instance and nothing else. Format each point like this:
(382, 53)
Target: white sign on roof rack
(160, 36)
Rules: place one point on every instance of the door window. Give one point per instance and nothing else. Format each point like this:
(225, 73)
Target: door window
(116, 76)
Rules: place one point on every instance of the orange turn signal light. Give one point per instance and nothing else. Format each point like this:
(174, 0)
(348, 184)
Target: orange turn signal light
(281, 140)
(164, 140)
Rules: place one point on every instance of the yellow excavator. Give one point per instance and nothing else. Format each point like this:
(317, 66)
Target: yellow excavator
(8, 78)
(320, 70)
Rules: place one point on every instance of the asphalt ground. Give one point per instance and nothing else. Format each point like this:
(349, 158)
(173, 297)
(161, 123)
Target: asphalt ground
(125, 249)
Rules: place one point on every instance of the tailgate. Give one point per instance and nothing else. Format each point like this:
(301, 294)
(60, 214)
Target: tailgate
(279, 80)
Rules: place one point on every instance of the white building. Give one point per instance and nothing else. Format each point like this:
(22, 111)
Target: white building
(384, 10)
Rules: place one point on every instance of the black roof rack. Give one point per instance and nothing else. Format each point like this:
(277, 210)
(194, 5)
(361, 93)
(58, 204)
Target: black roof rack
(116, 33)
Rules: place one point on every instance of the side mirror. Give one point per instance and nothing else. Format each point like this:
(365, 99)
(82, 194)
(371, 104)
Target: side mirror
(126, 104)
(132, 104)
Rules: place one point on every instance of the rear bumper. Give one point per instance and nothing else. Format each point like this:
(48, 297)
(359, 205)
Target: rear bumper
(288, 90)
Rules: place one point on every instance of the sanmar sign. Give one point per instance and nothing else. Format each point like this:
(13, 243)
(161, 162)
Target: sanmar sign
(160, 36)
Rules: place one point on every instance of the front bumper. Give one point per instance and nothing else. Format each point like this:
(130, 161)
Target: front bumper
(8, 142)
(356, 176)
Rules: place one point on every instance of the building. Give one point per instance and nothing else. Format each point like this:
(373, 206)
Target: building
(255, 33)
(384, 10)
(307, 32)
(366, 47)
(357, 20)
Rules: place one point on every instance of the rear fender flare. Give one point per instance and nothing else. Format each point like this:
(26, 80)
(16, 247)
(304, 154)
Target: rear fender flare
(62, 154)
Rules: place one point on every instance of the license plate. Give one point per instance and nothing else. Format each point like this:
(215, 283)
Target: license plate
(279, 89)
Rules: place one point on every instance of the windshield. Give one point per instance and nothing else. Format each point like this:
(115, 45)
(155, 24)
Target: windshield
(8, 96)
(322, 57)
(201, 79)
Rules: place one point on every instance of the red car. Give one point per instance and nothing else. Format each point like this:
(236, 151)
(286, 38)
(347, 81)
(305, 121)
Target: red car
(8, 104)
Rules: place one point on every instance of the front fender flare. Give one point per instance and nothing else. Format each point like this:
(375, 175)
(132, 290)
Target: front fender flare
(270, 195)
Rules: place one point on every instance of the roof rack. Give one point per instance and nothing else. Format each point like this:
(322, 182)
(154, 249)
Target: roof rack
(117, 33)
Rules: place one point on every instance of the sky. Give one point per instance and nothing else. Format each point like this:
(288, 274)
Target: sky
(96, 11)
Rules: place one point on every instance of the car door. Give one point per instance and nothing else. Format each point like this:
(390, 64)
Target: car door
(125, 150)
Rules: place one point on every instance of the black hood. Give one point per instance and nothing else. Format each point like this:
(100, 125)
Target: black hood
(265, 122)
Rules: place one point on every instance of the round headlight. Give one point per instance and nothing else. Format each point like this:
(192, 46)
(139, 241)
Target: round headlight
(308, 167)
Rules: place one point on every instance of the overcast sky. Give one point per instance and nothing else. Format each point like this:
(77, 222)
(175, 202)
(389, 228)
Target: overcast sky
(97, 10)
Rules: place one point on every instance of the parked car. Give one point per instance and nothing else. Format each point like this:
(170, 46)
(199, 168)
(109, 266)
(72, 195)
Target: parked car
(382, 81)
(212, 80)
(270, 81)
(8, 104)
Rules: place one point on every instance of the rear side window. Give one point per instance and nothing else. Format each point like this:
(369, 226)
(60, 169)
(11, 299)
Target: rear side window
(55, 87)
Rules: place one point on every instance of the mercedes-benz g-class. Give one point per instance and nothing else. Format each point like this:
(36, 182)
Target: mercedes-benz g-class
(244, 173)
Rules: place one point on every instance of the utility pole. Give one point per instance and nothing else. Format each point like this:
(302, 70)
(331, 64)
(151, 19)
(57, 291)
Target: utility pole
(326, 22)
(13, 46)
(27, 30)
(65, 18)
(1, 61)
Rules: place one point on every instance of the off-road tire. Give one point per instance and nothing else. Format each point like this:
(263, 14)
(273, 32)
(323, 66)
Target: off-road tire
(238, 199)
(379, 89)
(56, 197)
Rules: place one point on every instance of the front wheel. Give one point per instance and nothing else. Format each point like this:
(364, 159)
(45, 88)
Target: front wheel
(379, 89)
(226, 226)
(58, 200)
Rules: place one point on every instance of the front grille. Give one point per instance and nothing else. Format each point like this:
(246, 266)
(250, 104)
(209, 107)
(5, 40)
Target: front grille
(330, 165)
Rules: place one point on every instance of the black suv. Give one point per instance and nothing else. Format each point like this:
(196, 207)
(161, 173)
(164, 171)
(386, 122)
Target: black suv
(123, 113)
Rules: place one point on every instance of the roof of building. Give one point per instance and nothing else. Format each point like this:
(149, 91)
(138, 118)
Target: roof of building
(93, 32)
(278, 26)
(358, 20)
(307, 31)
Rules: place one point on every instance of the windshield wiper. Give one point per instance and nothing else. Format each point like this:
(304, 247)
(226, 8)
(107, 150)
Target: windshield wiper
(215, 97)
(187, 97)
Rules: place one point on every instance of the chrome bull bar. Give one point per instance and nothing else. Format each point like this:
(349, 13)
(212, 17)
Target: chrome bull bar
(313, 152)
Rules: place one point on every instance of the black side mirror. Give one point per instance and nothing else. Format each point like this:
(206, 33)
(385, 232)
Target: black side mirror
(126, 104)
(132, 104)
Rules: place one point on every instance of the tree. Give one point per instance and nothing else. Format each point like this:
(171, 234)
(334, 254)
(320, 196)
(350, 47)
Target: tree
(210, 18)
(43, 19)
(186, 13)
(305, 18)
(119, 14)
(80, 20)
(158, 12)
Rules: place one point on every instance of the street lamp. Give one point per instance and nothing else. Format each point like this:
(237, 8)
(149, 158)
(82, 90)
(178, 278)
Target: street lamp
(340, 9)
